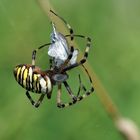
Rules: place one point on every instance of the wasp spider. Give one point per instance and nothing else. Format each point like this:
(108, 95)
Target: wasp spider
(62, 59)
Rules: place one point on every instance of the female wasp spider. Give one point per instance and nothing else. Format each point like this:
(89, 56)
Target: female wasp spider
(62, 59)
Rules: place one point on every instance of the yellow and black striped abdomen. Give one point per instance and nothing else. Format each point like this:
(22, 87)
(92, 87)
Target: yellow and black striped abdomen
(31, 79)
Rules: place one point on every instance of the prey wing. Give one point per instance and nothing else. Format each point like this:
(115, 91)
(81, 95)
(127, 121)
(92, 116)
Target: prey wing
(59, 50)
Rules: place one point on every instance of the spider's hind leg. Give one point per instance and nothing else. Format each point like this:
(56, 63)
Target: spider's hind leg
(37, 103)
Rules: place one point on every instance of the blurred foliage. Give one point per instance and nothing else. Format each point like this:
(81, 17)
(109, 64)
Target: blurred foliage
(114, 27)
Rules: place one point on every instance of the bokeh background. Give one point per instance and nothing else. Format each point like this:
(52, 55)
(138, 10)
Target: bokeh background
(114, 27)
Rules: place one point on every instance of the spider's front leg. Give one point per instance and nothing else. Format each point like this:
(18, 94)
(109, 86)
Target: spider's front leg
(67, 25)
(68, 59)
(83, 60)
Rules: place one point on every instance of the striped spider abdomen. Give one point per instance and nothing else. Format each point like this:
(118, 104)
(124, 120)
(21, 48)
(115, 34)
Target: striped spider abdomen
(32, 78)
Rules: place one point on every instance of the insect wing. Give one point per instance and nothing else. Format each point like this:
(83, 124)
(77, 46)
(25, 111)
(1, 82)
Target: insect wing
(58, 50)
(59, 47)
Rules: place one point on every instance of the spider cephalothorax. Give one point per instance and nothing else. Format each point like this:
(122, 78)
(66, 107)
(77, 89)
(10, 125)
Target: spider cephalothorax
(62, 59)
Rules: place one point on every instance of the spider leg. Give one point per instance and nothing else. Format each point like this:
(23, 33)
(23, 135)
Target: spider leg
(67, 25)
(37, 103)
(87, 93)
(69, 58)
(81, 86)
(35, 51)
(59, 96)
(83, 60)
(74, 98)
(59, 103)
(79, 98)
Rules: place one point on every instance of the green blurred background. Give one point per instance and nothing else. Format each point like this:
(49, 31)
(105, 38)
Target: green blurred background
(114, 27)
